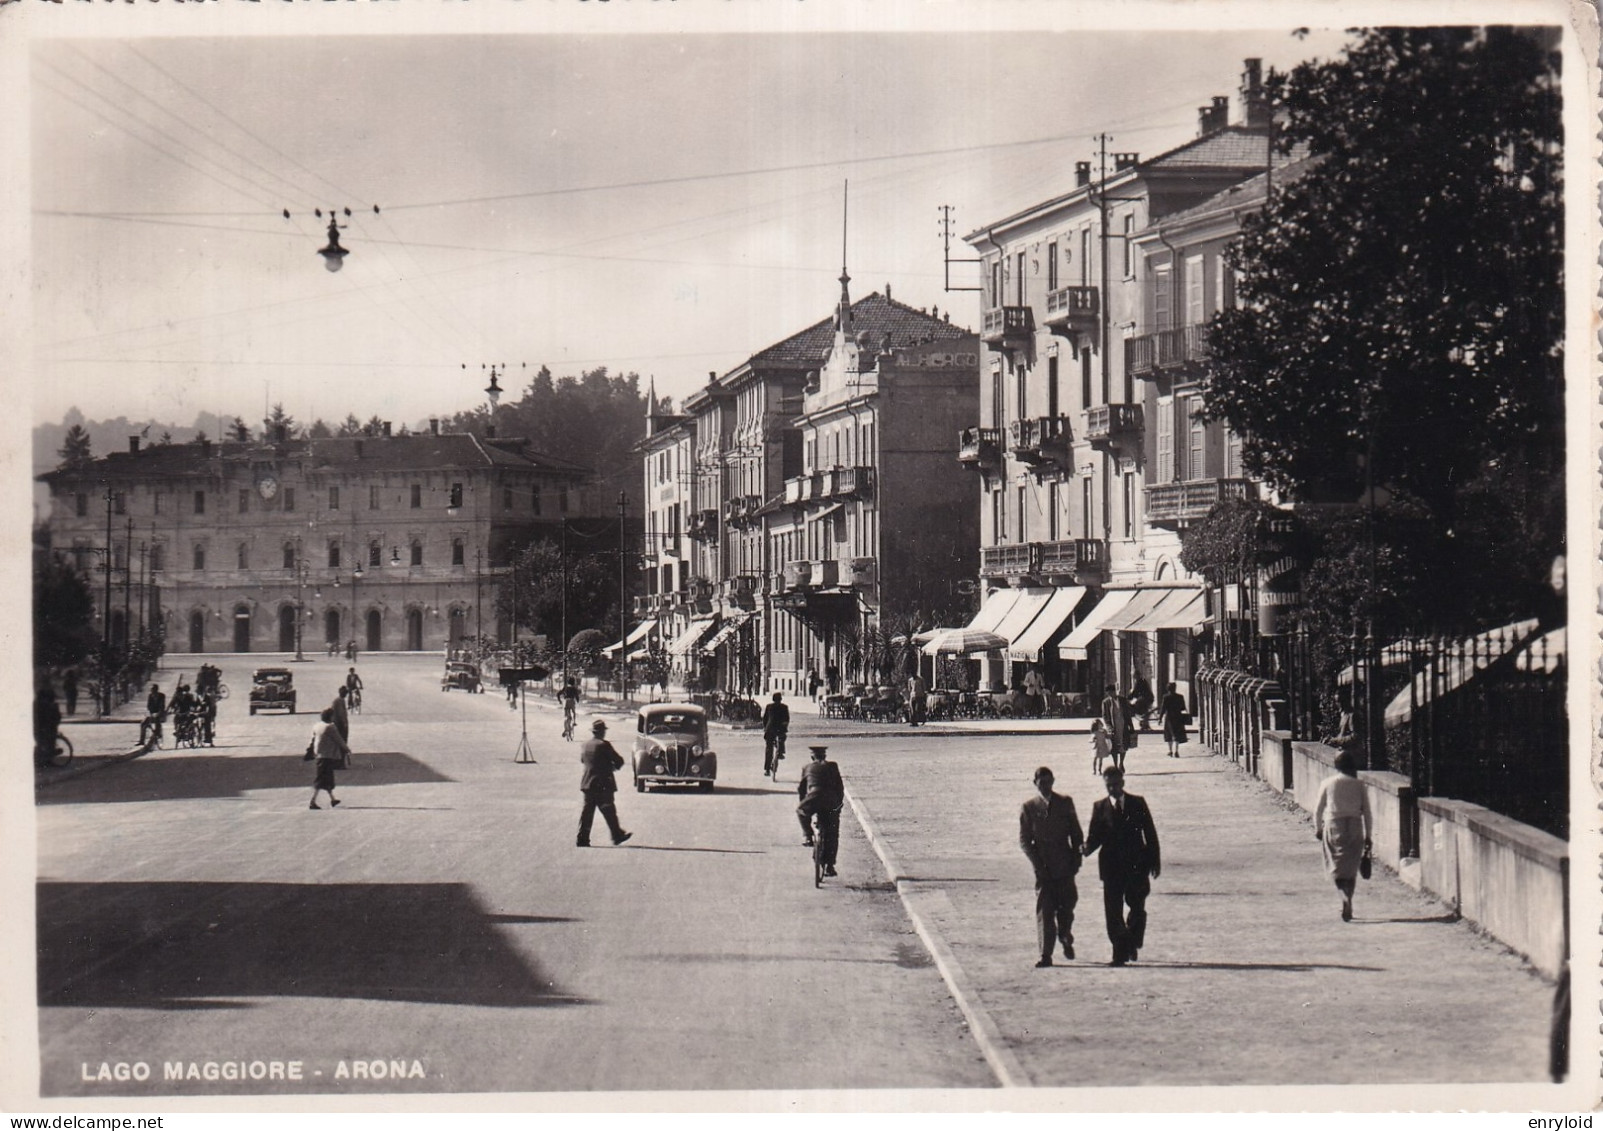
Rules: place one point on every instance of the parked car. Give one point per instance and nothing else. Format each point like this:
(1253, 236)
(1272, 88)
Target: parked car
(272, 689)
(461, 675)
(671, 748)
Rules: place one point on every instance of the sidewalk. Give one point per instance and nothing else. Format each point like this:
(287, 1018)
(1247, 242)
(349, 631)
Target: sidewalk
(1248, 975)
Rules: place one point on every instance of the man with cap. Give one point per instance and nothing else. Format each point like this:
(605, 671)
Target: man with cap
(822, 792)
(1121, 826)
(598, 785)
(1049, 834)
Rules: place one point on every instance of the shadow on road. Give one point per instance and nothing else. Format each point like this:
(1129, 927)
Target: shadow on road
(166, 945)
(187, 776)
(1290, 967)
(692, 848)
(1447, 918)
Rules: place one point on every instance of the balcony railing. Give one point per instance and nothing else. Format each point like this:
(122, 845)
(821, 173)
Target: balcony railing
(860, 573)
(1180, 504)
(735, 509)
(1071, 310)
(1003, 324)
(798, 575)
(1167, 349)
(851, 481)
(1016, 559)
(825, 573)
(1080, 558)
(1040, 439)
(980, 447)
(1107, 424)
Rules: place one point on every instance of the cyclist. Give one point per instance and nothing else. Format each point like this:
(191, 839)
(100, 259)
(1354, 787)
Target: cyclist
(353, 684)
(569, 697)
(776, 724)
(207, 712)
(155, 714)
(46, 723)
(822, 794)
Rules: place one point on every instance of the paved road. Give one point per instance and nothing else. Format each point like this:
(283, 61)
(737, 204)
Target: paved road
(193, 909)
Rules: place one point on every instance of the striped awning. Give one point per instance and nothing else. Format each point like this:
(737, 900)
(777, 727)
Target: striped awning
(635, 637)
(1059, 608)
(1076, 642)
(688, 639)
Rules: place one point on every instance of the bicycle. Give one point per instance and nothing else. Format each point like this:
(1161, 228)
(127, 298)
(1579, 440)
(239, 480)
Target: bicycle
(826, 836)
(773, 753)
(354, 701)
(568, 717)
(221, 691)
(60, 754)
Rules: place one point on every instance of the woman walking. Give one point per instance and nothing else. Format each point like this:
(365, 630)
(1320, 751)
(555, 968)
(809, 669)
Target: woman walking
(1173, 711)
(1342, 823)
(330, 750)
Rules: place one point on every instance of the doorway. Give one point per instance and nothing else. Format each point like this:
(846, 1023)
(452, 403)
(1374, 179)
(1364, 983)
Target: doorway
(414, 630)
(286, 629)
(331, 627)
(375, 626)
(242, 628)
(197, 631)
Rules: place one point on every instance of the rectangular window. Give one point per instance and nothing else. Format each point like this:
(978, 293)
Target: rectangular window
(417, 553)
(1232, 454)
(1107, 496)
(1196, 299)
(562, 498)
(1129, 504)
(243, 560)
(1085, 378)
(200, 502)
(158, 558)
(1086, 500)
(333, 555)
(1020, 523)
(997, 417)
(333, 498)
(372, 497)
(119, 503)
(1019, 283)
(289, 555)
(1165, 469)
(1021, 387)
(155, 502)
(1199, 468)
(82, 506)
(1129, 245)
(374, 554)
(1085, 257)
(417, 496)
(458, 552)
(200, 556)
(1052, 512)
(1052, 386)
(534, 497)
(244, 500)
(1162, 314)
(289, 498)
(1051, 267)
(996, 282)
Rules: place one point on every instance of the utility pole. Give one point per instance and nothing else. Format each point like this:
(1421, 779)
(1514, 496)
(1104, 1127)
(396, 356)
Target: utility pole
(1102, 213)
(105, 625)
(128, 587)
(623, 617)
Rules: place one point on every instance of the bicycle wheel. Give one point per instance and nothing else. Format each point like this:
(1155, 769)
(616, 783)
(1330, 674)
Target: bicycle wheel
(62, 754)
(222, 691)
(818, 853)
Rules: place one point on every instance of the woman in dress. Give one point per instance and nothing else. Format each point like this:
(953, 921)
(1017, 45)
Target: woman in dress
(1173, 711)
(1342, 822)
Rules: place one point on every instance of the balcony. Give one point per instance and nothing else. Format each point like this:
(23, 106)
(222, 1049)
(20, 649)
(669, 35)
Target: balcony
(1181, 504)
(861, 573)
(1083, 559)
(825, 574)
(1016, 559)
(1149, 354)
(734, 510)
(1008, 326)
(980, 447)
(704, 525)
(847, 481)
(1073, 310)
(740, 590)
(1040, 440)
(1109, 425)
(798, 575)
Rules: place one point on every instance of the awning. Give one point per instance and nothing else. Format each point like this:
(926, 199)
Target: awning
(725, 631)
(1456, 665)
(1175, 608)
(635, 637)
(687, 640)
(996, 606)
(1140, 604)
(1023, 613)
(1075, 643)
(1059, 607)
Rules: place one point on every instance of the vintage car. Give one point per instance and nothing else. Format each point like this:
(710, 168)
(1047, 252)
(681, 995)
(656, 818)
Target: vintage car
(671, 747)
(272, 689)
(461, 675)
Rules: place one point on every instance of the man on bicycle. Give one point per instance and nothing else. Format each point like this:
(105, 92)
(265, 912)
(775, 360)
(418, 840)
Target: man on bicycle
(822, 793)
(776, 724)
(353, 684)
(46, 723)
(155, 713)
(569, 698)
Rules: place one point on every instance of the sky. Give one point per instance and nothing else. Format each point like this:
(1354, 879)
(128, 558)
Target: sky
(667, 204)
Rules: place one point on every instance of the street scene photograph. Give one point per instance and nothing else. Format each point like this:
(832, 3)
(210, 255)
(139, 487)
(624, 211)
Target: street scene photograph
(918, 558)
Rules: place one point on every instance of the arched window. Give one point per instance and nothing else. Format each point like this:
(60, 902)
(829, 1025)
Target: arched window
(458, 552)
(333, 555)
(289, 555)
(158, 558)
(375, 554)
(244, 556)
(417, 552)
(200, 556)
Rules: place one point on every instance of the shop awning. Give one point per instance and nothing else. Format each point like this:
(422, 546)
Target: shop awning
(690, 637)
(1075, 643)
(1140, 604)
(635, 637)
(1059, 607)
(730, 626)
(1023, 613)
(996, 606)
(1174, 608)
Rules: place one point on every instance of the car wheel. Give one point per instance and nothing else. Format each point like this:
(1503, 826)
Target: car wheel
(640, 785)
(253, 710)
(706, 786)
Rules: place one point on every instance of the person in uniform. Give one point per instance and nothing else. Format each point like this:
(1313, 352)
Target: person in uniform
(1049, 834)
(1121, 826)
(822, 792)
(598, 785)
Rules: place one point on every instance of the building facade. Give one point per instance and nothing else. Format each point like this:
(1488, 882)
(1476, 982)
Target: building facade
(395, 542)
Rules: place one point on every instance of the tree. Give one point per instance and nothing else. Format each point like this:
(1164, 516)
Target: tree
(62, 611)
(319, 430)
(533, 593)
(1400, 321)
(350, 426)
(75, 448)
(241, 430)
(277, 418)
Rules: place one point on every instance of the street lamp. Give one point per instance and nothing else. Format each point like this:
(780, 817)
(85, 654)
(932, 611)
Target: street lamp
(333, 255)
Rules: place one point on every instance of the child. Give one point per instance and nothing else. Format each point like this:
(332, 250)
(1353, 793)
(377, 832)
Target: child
(1099, 745)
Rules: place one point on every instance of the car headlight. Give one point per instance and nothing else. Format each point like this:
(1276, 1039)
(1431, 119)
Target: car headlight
(661, 768)
(695, 767)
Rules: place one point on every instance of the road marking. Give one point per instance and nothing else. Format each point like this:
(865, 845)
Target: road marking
(1009, 1073)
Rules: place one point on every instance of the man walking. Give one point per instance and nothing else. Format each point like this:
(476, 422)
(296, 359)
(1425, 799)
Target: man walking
(776, 724)
(1121, 826)
(1049, 834)
(1116, 718)
(342, 720)
(599, 786)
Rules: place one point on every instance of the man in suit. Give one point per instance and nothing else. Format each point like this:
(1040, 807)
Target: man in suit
(822, 792)
(599, 786)
(1049, 834)
(1121, 826)
(776, 724)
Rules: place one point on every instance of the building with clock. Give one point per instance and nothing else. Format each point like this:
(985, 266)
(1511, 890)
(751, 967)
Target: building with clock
(395, 542)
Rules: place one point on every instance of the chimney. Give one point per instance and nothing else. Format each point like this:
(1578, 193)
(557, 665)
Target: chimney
(133, 444)
(887, 292)
(1082, 173)
(386, 428)
(434, 425)
(1254, 100)
(1212, 119)
(1123, 161)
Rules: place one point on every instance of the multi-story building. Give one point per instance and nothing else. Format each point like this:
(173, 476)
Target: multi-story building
(741, 462)
(1066, 441)
(394, 541)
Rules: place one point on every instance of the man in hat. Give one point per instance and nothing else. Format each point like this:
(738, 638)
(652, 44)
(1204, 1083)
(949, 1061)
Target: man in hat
(822, 792)
(598, 785)
(776, 724)
(1121, 826)
(1049, 834)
